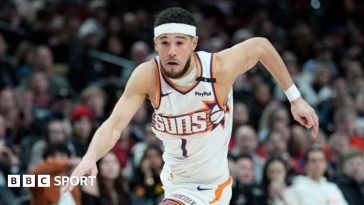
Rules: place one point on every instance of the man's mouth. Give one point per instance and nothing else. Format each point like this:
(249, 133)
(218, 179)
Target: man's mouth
(172, 63)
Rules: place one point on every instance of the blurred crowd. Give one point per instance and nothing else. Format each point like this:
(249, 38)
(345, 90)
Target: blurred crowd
(64, 64)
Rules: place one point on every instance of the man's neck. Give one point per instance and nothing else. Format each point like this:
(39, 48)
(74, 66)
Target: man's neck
(189, 77)
(192, 67)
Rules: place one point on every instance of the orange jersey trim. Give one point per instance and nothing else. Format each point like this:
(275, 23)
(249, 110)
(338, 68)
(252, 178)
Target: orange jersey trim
(158, 93)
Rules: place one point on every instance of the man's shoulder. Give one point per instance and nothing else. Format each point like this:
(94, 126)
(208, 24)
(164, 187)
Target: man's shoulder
(145, 71)
(146, 67)
(144, 77)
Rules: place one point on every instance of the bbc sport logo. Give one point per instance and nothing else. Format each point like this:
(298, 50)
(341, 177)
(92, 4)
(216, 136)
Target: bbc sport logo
(45, 180)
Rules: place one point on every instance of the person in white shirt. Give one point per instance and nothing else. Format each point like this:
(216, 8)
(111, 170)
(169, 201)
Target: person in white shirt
(314, 189)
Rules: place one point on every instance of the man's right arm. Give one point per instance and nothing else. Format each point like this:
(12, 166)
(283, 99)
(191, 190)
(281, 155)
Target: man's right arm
(106, 136)
(109, 132)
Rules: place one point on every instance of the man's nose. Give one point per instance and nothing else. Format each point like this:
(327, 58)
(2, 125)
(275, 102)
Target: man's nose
(172, 50)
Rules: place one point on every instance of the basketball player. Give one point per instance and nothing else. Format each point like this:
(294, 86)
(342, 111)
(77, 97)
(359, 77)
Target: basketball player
(191, 93)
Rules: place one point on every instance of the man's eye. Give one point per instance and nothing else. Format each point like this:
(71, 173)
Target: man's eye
(164, 43)
(179, 43)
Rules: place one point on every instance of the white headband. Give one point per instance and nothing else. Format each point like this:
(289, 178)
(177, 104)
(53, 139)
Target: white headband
(174, 28)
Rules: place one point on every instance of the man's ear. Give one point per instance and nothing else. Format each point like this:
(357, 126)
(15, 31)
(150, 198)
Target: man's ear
(155, 44)
(194, 42)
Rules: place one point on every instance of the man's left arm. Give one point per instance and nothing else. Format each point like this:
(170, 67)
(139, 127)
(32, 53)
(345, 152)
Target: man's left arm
(245, 55)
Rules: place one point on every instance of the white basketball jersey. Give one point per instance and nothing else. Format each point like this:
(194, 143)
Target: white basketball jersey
(194, 126)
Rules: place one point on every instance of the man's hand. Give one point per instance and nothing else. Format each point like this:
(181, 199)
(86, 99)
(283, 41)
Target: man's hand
(85, 167)
(305, 115)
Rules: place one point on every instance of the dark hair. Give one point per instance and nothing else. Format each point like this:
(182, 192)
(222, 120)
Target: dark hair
(52, 119)
(312, 149)
(174, 15)
(119, 183)
(243, 156)
(265, 181)
(152, 147)
(348, 155)
(52, 149)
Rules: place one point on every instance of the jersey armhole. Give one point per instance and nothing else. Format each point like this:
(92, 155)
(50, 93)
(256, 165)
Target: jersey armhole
(215, 88)
(157, 97)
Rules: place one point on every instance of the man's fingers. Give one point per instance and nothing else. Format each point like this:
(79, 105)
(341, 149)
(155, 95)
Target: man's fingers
(310, 121)
(69, 186)
(315, 126)
(300, 120)
(93, 172)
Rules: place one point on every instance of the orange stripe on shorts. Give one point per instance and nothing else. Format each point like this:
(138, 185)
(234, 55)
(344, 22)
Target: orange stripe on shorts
(220, 189)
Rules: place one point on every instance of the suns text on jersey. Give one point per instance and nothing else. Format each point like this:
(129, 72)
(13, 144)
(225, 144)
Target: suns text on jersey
(188, 124)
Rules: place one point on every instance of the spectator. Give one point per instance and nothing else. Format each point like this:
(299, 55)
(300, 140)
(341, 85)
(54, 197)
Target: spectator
(82, 122)
(339, 144)
(323, 57)
(8, 75)
(39, 84)
(43, 61)
(123, 151)
(241, 115)
(262, 98)
(274, 118)
(110, 187)
(147, 183)
(3, 136)
(345, 119)
(275, 145)
(138, 54)
(62, 103)
(246, 142)
(275, 181)
(351, 180)
(25, 60)
(138, 122)
(320, 83)
(297, 146)
(313, 188)
(245, 191)
(55, 134)
(56, 163)
(9, 110)
(95, 98)
(139, 148)
(9, 164)
(25, 100)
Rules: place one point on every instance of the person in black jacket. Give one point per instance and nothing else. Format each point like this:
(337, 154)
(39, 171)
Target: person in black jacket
(351, 179)
(9, 164)
(245, 191)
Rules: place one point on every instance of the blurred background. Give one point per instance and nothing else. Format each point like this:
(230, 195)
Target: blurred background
(65, 63)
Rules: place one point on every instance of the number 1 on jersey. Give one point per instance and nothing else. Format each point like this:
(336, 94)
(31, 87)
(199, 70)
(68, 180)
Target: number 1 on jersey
(183, 147)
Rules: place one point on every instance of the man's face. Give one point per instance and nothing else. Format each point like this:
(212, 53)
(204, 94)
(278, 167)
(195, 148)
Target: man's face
(354, 168)
(245, 172)
(246, 140)
(56, 132)
(175, 52)
(316, 165)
